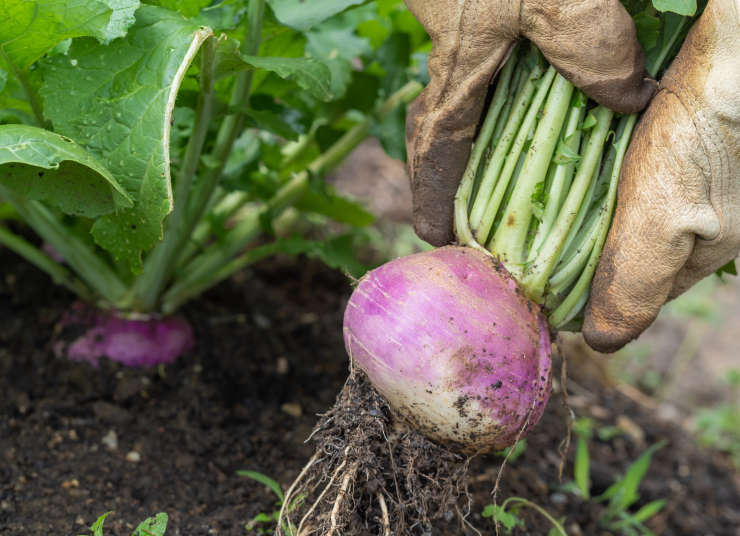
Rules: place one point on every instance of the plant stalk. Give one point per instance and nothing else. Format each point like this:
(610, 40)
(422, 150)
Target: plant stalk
(230, 127)
(510, 237)
(91, 268)
(58, 273)
(160, 262)
(207, 269)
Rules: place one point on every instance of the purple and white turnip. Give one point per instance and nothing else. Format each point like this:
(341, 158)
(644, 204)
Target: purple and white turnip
(450, 340)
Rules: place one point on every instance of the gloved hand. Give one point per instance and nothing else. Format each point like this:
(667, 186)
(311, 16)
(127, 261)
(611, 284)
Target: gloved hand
(591, 42)
(678, 208)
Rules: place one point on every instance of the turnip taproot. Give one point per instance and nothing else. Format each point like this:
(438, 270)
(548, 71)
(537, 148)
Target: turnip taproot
(454, 345)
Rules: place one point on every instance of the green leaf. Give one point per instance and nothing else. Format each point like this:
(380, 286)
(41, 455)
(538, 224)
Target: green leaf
(649, 510)
(189, 8)
(648, 30)
(153, 526)
(14, 105)
(336, 47)
(32, 28)
(390, 132)
(729, 268)
(117, 101)
(272, 121)
(340, 252)
(266, 480)
(393, 57)
(41, 165)
(634, 475)
(517, 450)
(334, 206)
(581, 469)
(564, 154)
(509, 520)
(623, 493)
(304, 15)
(311, 75)
(686, 8)
(589, 122)
(97, 527)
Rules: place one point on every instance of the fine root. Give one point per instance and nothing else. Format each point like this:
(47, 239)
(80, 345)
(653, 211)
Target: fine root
(372, 475)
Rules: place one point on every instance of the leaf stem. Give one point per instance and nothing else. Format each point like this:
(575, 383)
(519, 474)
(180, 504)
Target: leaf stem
(207, 269)
(529, 504)
(91, 268)
(494, 181)
(561, 179)
(58, 273)
(160, 262)
(467, 183)
(511, 235)
(571, 305)
(506, 155)
(535, 281)
(231, 125)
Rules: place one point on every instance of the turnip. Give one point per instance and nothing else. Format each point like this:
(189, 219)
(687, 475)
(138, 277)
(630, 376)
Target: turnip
(450, 350)
(454, 346)
(86, 333)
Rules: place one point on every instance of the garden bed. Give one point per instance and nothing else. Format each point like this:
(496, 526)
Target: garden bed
(76, 441)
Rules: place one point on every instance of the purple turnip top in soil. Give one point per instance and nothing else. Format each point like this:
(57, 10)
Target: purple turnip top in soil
(133, 342)
(450, 340)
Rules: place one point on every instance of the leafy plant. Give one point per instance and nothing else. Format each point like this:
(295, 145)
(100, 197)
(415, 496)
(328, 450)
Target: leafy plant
(154, 145)
(264, 523)
(152, 526)
(131, 128)
(719, 427)
(622, 494)
(509, 518)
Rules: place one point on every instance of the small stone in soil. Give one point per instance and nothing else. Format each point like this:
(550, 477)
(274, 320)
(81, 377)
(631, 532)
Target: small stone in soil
(110, 440)
(133, 457)
(292, 409)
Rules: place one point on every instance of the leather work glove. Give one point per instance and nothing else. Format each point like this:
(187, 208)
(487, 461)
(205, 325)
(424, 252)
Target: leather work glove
(591, 42)
(678, 208)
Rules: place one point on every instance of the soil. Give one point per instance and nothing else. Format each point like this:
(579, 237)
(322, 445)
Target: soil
(77, 441)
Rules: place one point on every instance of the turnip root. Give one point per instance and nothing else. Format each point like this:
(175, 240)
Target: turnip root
(448, 359)
(88, 334)
(451, 341)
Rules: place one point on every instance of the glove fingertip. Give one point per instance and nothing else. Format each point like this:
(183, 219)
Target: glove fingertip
(623, 96)
(438, 231)
(603, 336)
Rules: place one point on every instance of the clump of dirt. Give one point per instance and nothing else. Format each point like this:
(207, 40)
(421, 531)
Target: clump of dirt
(372, 474)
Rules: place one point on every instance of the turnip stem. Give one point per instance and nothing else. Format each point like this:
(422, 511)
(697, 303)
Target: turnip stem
(462, 197)
(212, 265)
(230, 127)
(535, 281)
(159, 264)
(570, 305)
(547, 219)
(511, 235)
(508, 136)
(58, 273)
(91, 268)
(562, 177)
(504, 161)
(201, 271)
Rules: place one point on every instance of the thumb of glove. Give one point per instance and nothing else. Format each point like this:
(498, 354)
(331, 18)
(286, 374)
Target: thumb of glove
(678, 210)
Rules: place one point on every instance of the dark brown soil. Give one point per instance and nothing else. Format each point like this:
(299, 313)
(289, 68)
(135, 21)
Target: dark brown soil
(269, 358)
